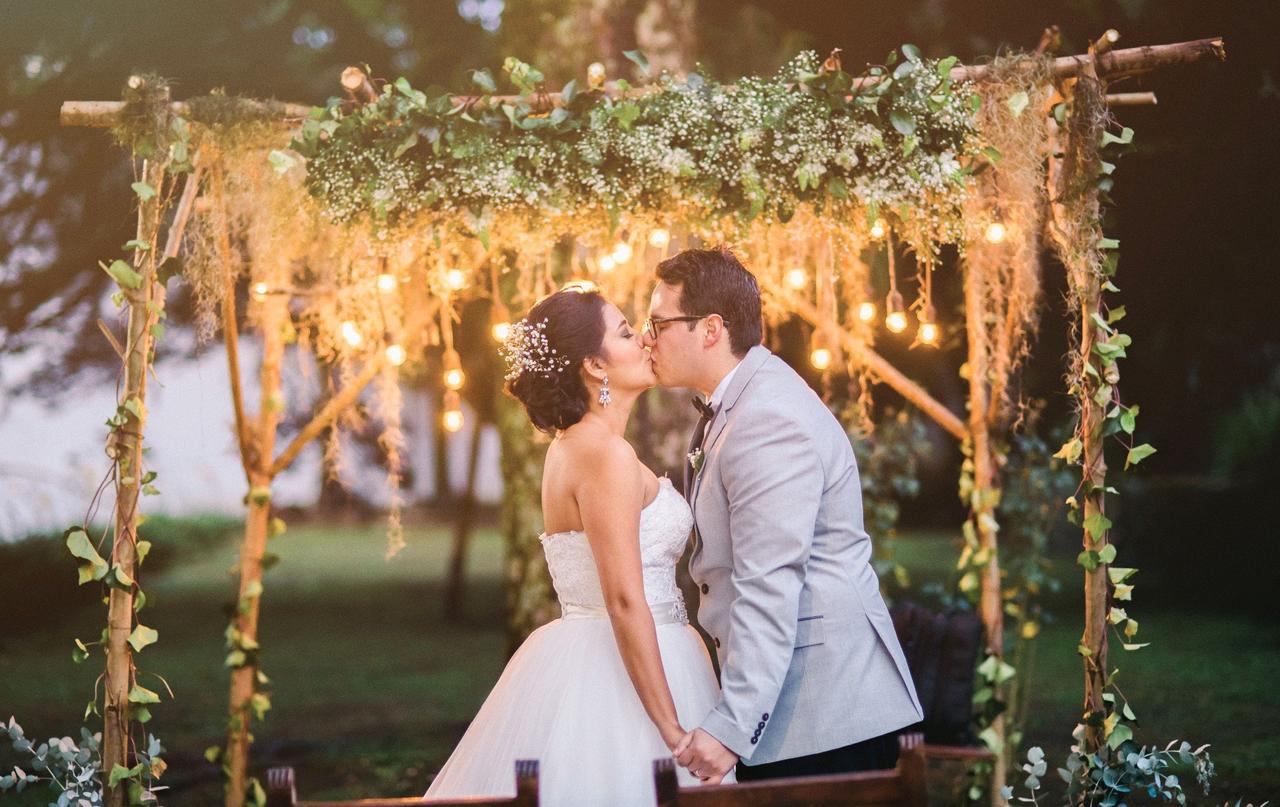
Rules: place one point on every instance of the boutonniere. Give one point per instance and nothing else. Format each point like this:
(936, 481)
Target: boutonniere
(695, 458)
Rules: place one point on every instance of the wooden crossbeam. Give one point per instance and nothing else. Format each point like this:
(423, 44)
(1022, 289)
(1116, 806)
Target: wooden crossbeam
(1112, 64)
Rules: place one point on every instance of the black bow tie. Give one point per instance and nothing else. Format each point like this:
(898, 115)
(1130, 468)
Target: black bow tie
(703, 408)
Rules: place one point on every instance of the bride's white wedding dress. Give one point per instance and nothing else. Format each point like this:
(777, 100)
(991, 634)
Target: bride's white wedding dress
(565, 698)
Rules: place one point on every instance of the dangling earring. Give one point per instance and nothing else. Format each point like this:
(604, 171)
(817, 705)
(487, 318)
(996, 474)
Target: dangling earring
(605, 399)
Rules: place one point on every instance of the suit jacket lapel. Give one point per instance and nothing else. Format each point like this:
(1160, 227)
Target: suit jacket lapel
(751, 363)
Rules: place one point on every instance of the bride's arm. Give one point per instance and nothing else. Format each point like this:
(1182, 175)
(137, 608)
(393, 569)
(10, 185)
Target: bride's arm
(610, 498)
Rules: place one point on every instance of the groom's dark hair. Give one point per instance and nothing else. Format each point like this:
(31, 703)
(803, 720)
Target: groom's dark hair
(714, 281)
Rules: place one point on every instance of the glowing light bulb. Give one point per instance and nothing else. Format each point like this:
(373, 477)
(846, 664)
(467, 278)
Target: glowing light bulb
(351, 334)
(453, 420)
(595, 75)
(396, 354)
(501, 331)
(387, 283)
(878, 229)
(867, 311)
(929, 333)
(605, 263)
(797, 279)
(996, 232)
(621, 252)
(456, 278)
(659, 238)
(454, 378)
(260, 291)
(820, 358)
(895, 318)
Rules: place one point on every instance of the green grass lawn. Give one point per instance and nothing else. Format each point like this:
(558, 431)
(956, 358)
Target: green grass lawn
(371, 687)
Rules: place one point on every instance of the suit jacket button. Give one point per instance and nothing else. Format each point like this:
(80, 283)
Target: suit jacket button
(705, 588)
(716, 640)
(765, 716)
(755, 740)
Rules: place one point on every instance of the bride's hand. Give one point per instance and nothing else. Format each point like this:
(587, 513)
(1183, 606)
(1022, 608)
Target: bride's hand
(674, 737)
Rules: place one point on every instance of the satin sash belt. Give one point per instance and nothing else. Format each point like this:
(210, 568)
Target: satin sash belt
(664, 613)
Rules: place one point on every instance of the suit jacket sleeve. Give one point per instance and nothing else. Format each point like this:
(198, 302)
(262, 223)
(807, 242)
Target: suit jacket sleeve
(774, 481)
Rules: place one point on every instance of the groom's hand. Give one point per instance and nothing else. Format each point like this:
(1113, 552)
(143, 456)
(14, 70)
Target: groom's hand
(705, 757)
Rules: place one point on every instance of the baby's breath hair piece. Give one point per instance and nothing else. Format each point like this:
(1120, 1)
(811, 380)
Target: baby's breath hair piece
(526, 349)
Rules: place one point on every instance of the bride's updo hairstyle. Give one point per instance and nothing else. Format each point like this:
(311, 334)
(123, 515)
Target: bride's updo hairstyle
(545, 351)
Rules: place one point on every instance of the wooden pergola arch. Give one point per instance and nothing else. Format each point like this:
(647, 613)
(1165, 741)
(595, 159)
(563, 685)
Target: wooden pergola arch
(257, 434)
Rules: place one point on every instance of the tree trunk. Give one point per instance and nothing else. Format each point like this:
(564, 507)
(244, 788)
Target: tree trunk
(530, 596)
(263, 433)
(455, 585)
(144, 307)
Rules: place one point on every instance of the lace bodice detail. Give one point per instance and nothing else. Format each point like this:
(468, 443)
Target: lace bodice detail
(665, 524)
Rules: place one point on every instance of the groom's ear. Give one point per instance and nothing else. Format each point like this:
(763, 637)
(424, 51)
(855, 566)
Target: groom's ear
(716, 330)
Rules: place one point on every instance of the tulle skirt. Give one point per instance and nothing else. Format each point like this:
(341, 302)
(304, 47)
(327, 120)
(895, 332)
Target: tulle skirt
(565, 700)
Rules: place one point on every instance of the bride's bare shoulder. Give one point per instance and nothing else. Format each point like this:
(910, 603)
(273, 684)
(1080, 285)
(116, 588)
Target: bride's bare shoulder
(588, 446)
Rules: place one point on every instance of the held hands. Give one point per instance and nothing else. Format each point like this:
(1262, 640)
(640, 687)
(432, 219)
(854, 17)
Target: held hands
(704, 756)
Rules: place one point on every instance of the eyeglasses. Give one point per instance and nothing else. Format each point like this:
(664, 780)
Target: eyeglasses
(651, 324)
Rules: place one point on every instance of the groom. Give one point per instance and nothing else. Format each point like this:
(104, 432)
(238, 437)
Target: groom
(813, 679)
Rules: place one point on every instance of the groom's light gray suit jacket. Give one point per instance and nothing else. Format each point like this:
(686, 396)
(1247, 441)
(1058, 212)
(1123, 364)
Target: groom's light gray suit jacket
(808, 656)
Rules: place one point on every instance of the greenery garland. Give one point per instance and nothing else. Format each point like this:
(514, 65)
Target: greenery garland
(809, 135)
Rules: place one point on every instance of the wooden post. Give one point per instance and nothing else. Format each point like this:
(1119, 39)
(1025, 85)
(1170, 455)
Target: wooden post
(1073, 163)
(982, 502)
(144, 308)
(273, 315)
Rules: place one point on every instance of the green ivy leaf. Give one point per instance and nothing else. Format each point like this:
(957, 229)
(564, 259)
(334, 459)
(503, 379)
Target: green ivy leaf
(1107, 553)
(142, 636)
(1018, 103)
(1097, 525)
(123, 274)
(281, 161)
(1137, 454)
(140, 694)
(639, 59)
(143, 190)
(484, 80)
(903, 122)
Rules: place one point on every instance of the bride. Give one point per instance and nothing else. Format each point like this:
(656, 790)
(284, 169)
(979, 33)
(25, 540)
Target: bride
(596, 695)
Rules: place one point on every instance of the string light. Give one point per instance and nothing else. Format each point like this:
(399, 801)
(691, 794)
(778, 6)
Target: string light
(621, 252)
(454, 378)
(452, 419)
(896, 316)
(605, 263)
(866, 311)
(387, 283)
(659, 238)
(351, 334)
(797, 279)
(260, 291)
(820, 358)
(878, 229)
(457, 279)
(396, 355)
(996, 232)
(928, 333)
(820, 355)
(595, 75)
(500, 319)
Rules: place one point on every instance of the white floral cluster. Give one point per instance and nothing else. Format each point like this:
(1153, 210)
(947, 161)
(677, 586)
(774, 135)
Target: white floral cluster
(526, 349)
(761, 147)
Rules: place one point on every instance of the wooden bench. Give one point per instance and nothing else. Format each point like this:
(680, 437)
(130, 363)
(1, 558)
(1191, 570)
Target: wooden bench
(903, 786)
(282, 792)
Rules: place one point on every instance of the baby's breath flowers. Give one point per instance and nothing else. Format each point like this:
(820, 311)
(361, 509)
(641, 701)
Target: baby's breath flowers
(526, 350)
